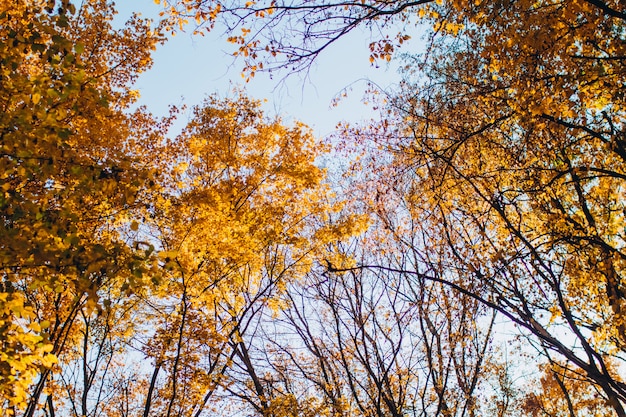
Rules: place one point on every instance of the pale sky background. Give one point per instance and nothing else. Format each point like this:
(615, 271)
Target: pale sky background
(188, 68)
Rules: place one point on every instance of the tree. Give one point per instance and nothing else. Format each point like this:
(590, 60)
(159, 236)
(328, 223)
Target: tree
(70, 178)
(273, 35)
(498, 175)
(510, 148)
(361, 343)
(116, 240)
(291, 34)
(515, 157)
(241, 214)
(564, 393)
(371, 346)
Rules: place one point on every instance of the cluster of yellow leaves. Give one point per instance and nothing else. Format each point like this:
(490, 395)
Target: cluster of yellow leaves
(384, 49)
(244, 211)
(244, 184)
(69, 175)
(23, 350)
(561, 392)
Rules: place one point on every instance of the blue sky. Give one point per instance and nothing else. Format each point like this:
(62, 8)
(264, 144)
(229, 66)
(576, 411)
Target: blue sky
(188, 68)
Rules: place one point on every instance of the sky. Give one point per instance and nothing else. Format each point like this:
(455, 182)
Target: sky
(188, 68)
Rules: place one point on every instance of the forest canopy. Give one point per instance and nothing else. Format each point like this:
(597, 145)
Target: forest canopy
(467, 258)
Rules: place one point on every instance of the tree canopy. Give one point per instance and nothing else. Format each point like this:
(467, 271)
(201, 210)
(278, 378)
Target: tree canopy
(473, 234)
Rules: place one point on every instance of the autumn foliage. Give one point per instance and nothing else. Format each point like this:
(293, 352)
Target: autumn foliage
(467, 261)
(69, 182)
